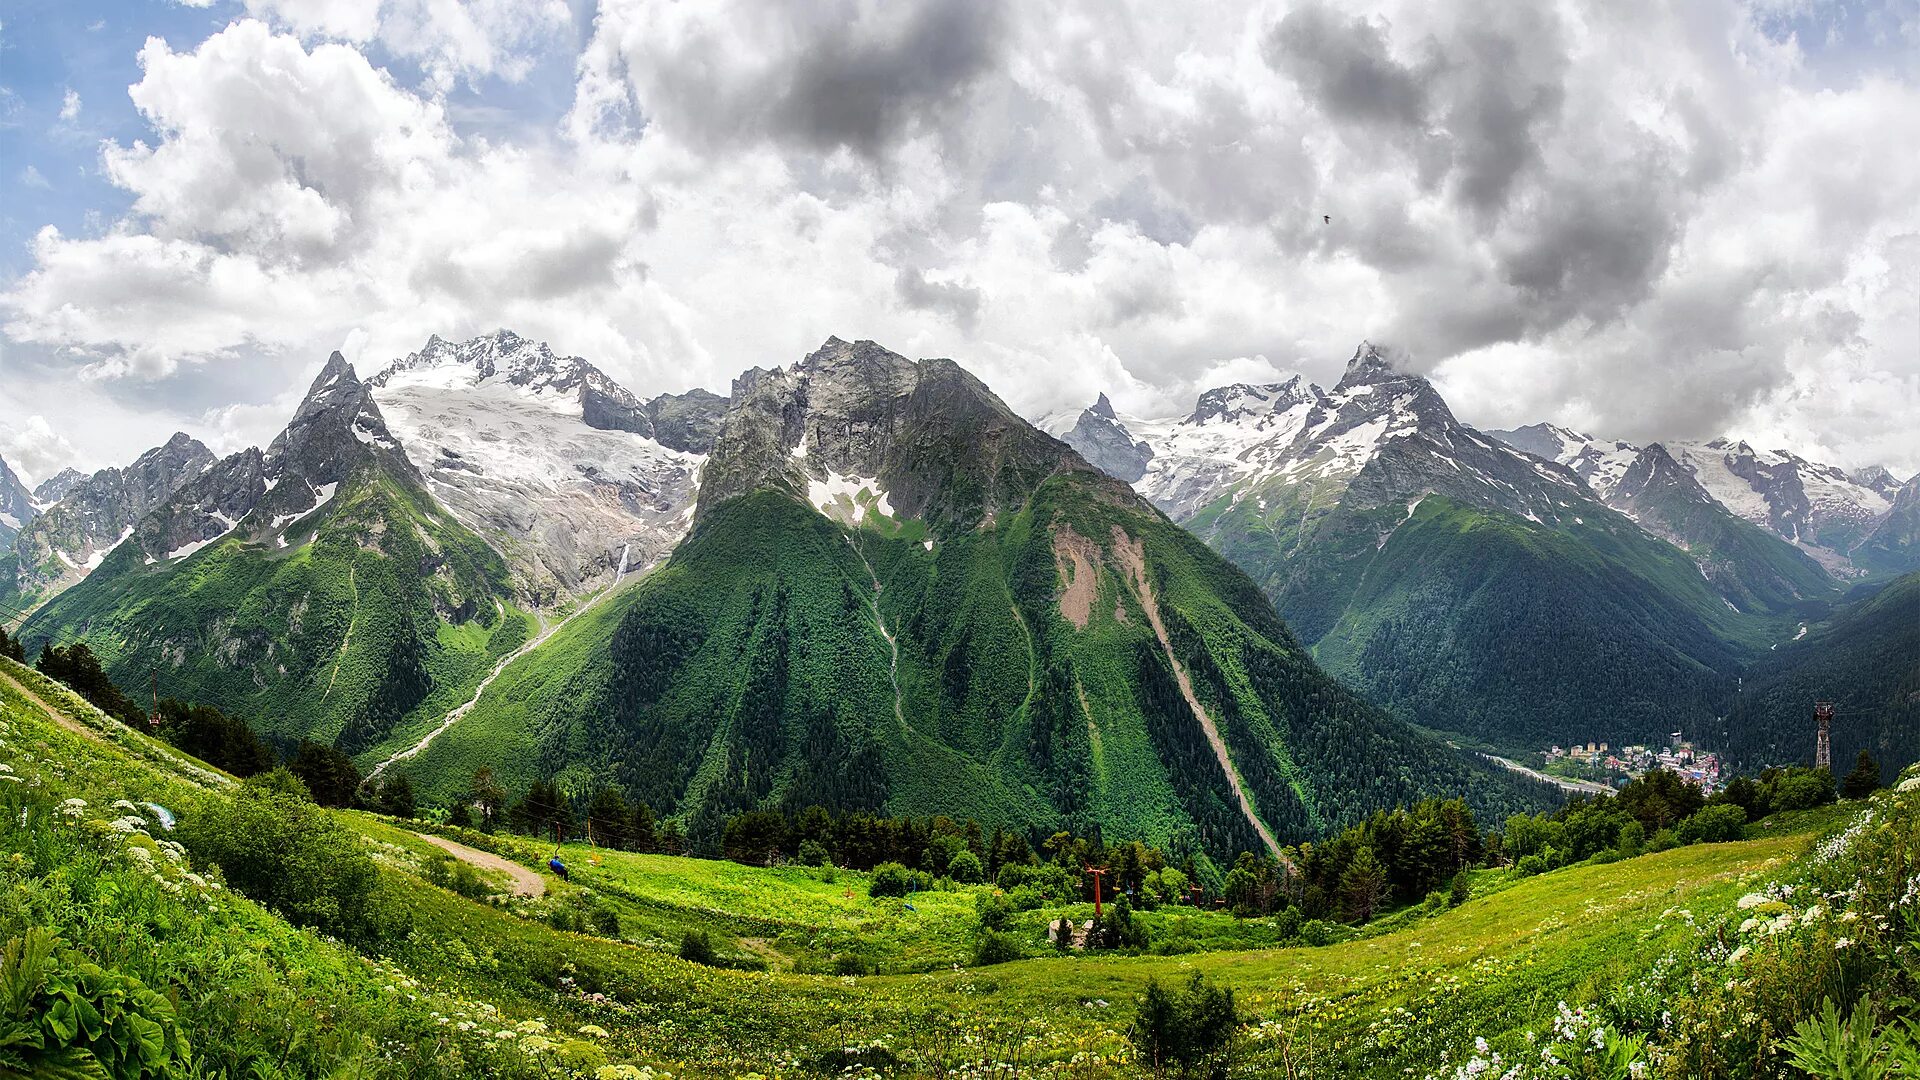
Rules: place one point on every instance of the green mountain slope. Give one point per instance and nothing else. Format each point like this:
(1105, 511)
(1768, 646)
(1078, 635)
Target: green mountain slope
(1460, 583)
(334, 600)
(1478, 621)
(1866, 660)
(898, 595)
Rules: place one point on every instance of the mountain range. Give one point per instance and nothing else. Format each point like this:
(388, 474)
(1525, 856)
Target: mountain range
(860, 581)
(1515, 588)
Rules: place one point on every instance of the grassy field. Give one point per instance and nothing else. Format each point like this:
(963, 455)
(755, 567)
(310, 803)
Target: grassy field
(251, 987)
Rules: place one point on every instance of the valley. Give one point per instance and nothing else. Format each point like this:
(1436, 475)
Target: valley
(879, 730)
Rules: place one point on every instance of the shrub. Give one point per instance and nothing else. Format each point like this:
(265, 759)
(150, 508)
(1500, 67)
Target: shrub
(1461, 890)
(1026, 898)
(854, 964)
(1802, 789)
(1316, 932)
(996, 947)
(605, 922)
(1287, 921)
(1713, 825)
(292, 856)
(892, 879)
(457, 877)
(696, 946)
(1118, 928)
(994, 911)
(1185, 1032)
(1633, 837)
(965, 868)
(813, 853)
(1529, 865)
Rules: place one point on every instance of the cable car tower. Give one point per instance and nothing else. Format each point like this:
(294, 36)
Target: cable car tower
(1823, 737)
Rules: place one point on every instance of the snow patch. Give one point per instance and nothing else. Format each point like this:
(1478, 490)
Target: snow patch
(838, 496)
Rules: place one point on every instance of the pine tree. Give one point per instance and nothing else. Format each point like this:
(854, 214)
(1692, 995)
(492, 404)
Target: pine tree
(1864, 780)
(1364, 885)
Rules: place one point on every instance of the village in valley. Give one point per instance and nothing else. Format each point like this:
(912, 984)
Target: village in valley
(1615, 766)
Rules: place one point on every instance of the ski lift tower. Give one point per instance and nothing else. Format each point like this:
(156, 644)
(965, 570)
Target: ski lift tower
(1823, 737)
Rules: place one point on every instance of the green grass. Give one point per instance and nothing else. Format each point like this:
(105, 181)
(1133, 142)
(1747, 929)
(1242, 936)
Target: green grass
(250, 986)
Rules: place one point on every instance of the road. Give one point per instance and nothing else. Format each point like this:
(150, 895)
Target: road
(525, 882)
(1584, 787)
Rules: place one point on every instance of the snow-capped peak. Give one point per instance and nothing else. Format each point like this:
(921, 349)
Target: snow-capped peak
(502, 355)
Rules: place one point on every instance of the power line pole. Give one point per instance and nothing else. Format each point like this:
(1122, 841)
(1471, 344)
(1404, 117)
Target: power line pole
(1097, 875)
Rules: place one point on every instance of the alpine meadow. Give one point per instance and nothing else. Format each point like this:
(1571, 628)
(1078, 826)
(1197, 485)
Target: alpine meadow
(626, 540)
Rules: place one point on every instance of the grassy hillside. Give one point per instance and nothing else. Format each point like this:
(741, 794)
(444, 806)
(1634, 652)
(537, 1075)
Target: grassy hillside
(1012, 674)
(379, 614)
(465, 987)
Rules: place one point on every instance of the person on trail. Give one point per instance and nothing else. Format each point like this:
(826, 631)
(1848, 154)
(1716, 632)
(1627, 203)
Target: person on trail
(558, 867)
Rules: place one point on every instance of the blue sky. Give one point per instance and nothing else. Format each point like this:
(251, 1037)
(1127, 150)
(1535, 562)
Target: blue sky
(1643, 219)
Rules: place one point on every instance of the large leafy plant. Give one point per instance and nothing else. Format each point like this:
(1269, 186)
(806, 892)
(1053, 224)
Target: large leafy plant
(63, 1018)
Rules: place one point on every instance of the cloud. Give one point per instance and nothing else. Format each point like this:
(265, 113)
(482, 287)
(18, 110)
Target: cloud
(70, 105)
(1656, 221)
(452, 42)
(33, 448)
(30, 177)
(839, 75)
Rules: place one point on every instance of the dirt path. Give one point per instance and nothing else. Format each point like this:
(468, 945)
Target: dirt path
(59, 717)
(525, 882)
(1133, 556)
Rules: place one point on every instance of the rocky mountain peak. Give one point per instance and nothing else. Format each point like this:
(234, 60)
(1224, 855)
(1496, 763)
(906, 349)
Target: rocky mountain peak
(1250, 401)
(56, 487)
(1101, 407)
(1372, 365)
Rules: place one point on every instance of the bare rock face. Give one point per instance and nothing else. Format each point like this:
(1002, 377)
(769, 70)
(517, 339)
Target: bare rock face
(853, 425)
(1100, 438)
(73, 536)
(58, 486)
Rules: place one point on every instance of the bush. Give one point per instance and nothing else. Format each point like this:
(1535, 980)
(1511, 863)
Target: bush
(292, 856)
(1026, 898)
(892, 879)
(813, 853)
(1317, 932)
(1864, 780)
(854, 964)
(696, 946)
(1461, 890)
(457, 877)
(1633, 837)
(1187, 1032)
(996, 947)
(1529, 865)
(1802, 789)
(1287, 921)
(1713, 825)
(1118, 928)
(965, 868)
(994, 911)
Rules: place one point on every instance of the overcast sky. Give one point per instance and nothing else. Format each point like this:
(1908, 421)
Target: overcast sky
(1647, 220)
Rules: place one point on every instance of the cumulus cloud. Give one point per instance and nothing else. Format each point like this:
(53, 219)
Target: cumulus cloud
(450, 41)
(1652, 221)
(33, 448)
(70, 105)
